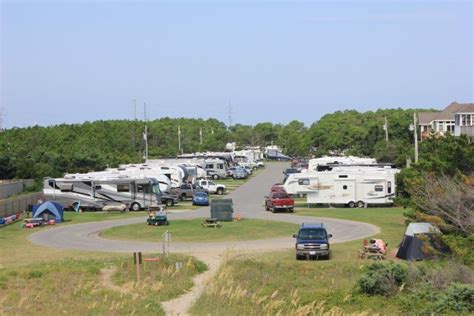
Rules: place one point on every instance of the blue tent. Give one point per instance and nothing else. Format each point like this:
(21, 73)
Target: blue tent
(49, 210)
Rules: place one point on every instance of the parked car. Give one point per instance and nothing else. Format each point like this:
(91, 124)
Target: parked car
(288, 171)
(201, 198)
(277, 201)
(212, 187)
(278, 187)
(239, 173)
(187, 191)
(312, 241)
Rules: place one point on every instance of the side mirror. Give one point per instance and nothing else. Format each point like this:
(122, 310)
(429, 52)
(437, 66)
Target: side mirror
(330, 236)
(294, 236)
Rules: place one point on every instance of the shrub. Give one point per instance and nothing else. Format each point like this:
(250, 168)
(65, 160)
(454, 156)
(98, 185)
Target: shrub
(35, 274)
(382, 278)
(458, 298)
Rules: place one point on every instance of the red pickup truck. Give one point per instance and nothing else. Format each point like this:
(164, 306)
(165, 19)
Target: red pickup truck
(279, 201)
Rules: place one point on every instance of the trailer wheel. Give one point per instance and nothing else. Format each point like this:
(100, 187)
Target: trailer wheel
(135, 207)
(360, 204)
(215, 177)
(351, 204)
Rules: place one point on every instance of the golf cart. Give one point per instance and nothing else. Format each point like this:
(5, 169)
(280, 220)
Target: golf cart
(158, 218)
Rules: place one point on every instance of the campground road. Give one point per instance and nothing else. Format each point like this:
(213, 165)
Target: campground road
(248, 202)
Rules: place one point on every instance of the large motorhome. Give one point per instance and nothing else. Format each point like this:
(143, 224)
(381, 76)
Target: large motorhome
(95, 193)
(346, 185)
(216, 168)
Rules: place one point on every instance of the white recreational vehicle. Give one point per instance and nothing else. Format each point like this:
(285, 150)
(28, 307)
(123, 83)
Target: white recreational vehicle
(313, 164)
(349, 185)
(95, 193)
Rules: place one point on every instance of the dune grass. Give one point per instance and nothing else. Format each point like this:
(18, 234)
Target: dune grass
(192, 231)
(94, 287)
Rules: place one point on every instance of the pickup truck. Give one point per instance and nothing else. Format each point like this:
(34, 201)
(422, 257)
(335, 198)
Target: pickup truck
(187, 190)
(312, 241)
(279, 200)
(212, 187)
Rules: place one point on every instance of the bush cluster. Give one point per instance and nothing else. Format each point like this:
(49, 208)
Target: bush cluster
(382, 278)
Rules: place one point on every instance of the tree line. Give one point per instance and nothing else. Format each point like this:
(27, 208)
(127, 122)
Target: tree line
(36, 152)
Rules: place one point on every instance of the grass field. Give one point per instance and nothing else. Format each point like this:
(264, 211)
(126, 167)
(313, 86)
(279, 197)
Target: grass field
(192, 231)
(276, 283)
(17, 250)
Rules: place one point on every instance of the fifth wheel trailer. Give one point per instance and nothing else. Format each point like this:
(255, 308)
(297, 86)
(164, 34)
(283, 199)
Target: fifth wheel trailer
(345, 186)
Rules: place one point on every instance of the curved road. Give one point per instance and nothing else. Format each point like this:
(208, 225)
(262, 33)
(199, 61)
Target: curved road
(248, 202)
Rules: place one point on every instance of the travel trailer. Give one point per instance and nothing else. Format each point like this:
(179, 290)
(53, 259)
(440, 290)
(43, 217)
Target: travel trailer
(350, 186)
(95, 193)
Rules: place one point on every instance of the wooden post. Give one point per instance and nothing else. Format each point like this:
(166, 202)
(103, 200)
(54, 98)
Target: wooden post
(137, 260)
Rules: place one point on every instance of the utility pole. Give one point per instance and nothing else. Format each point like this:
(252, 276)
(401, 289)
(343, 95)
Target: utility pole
(200, 135)
(2, 109)
(385, 127)
(415, 128)
(230, 115)
(179, 140)
(145, 135)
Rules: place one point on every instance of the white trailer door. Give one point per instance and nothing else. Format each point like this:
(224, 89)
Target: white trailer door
(344, 191)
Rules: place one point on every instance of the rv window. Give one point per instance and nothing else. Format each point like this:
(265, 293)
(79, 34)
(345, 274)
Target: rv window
(51, 183)
(123, 188)
(210, 166)
(303, 182)
(98, 187)
(143, 188)
(221, 166)
(379, 188)
(65, 187)
(344, 187)
(389, 187)
(343, 176)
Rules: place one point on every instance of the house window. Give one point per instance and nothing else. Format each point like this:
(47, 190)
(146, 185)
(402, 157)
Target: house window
(378, 188)
(344, 187)
(303, 182)
(123, 188)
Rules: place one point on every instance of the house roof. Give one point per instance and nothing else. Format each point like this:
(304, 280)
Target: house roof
(425, 118)
(466, 108)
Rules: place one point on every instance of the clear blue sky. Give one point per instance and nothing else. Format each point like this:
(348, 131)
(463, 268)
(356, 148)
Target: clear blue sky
(274, 60)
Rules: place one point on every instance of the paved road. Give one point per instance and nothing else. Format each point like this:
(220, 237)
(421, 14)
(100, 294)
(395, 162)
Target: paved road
(248, 202)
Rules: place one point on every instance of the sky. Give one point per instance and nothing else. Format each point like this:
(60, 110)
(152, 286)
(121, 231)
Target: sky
(273, 61)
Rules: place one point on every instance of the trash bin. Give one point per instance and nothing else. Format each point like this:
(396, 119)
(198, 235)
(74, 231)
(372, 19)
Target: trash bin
(222, 209)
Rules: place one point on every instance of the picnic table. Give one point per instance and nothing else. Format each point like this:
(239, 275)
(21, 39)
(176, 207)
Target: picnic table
(210, 222)
(370, 252)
